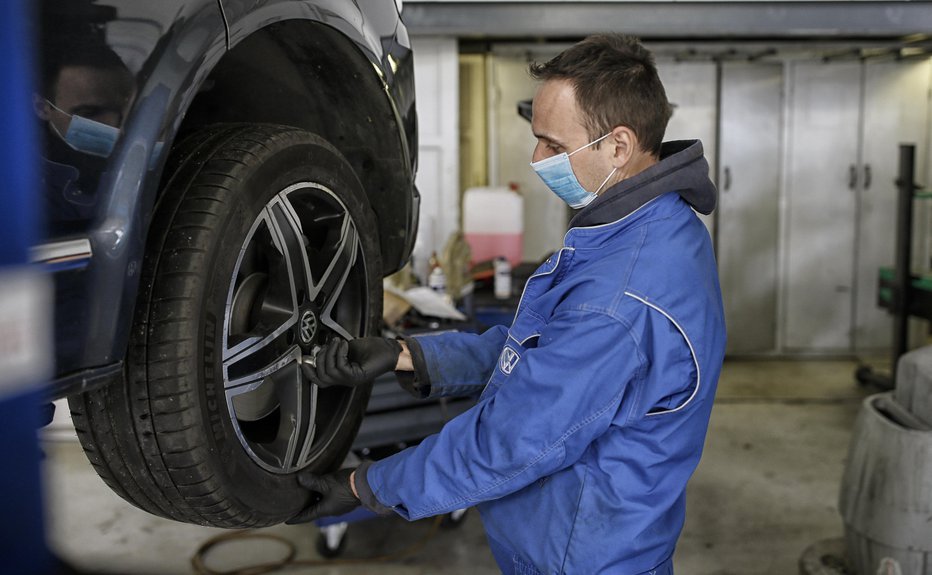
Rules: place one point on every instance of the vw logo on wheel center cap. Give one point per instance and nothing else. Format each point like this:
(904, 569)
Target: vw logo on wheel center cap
(308, 327)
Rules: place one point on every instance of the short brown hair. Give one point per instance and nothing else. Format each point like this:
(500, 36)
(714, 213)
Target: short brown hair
(616, 84)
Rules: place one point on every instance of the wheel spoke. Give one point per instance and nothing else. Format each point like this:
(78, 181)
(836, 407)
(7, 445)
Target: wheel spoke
(251, 366)
(278, 389)
(286, 229)
(332, 283)
(328, 286)
(299, 408)
(260, 307)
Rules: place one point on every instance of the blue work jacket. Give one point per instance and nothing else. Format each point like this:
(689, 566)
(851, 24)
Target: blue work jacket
(595, 402)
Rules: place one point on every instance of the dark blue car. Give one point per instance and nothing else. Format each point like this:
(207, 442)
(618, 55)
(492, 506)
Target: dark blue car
(226, 182)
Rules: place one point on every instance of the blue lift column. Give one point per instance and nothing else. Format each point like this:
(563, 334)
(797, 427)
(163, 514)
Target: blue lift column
(25, 304)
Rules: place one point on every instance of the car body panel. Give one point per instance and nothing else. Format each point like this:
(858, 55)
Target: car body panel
(167, 47)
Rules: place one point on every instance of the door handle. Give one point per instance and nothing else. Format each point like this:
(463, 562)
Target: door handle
(867, 176)
(852, 176)
(726, 185)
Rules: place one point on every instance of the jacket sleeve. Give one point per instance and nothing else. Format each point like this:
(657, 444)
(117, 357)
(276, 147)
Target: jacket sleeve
(452, 363)
(559, 397)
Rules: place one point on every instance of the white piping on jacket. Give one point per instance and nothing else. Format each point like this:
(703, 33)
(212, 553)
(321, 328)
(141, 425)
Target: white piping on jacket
(692, 352)
(565, 247)
(556, 264)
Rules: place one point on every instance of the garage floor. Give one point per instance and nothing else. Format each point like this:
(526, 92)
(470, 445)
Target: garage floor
(766, 490)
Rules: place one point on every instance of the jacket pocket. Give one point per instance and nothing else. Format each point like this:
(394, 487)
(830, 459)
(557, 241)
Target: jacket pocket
(522, 336)
(525, 331)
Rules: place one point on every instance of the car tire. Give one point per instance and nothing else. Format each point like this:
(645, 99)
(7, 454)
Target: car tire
(262, 247)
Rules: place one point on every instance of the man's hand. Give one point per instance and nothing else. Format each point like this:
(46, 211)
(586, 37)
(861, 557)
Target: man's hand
(331, 495)
(353, 363)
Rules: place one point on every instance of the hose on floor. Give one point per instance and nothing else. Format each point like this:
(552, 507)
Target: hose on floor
(199, 560)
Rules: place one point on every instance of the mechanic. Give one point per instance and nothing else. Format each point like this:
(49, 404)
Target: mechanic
(595, 402)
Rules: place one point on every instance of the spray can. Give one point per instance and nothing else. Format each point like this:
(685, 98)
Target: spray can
(502, 278)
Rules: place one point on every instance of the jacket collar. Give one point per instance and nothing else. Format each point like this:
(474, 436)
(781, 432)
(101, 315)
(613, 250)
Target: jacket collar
(682, 168)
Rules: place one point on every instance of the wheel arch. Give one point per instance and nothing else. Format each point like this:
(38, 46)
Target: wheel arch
(269, 77)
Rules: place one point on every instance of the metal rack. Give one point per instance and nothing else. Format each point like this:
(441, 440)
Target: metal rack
(900, 291)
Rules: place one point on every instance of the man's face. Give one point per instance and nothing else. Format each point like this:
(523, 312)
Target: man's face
(558, 126)
(93, 93)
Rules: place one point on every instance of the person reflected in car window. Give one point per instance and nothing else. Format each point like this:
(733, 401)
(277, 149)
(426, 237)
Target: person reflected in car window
(85, 93)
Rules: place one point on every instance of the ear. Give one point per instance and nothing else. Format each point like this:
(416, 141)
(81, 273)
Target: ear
(624, 145)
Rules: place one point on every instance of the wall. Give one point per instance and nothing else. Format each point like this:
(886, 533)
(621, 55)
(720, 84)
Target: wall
(691, 90)
(511, 145)
(437, 84)
(783, 188)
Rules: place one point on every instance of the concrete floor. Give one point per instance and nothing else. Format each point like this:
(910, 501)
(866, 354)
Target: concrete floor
(765, 491)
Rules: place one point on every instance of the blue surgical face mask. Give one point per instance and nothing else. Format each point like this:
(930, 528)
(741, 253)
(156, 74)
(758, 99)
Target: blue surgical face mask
(88, 136)
(557, 172)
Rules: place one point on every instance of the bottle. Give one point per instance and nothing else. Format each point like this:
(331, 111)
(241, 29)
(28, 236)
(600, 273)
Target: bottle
(436, 279)
(502, 279)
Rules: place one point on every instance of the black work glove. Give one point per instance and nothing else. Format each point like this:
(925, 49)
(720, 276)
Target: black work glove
(331, 495)
(353, 363)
